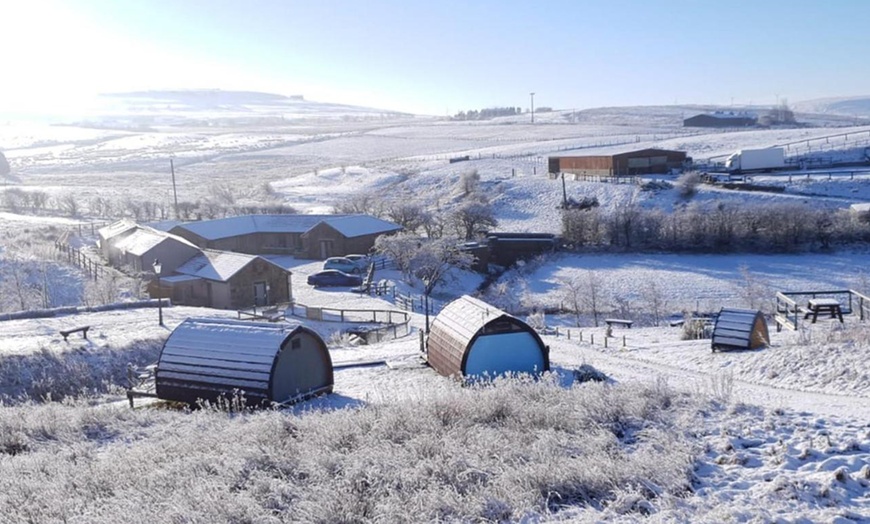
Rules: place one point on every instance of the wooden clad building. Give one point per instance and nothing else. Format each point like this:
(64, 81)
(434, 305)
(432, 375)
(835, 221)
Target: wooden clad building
(740, 329)
(641, 162)
(470, 338)
(303, 236)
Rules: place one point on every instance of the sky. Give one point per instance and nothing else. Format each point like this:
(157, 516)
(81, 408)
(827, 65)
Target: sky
(438, 57)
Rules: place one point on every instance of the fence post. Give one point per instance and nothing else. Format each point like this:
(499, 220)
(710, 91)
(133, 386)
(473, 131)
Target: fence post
(605, 342)
(592, 338)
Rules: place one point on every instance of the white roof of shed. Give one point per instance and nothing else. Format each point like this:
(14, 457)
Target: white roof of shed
(116, 228)
(144, 239)
(218, 265)
(861, 207)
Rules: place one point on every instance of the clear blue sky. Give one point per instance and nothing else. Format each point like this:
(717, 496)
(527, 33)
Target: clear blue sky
(442, 56)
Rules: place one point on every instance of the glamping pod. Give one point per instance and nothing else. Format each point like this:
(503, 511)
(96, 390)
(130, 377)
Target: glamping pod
(470, 338)
(209, 358)
(740, 329)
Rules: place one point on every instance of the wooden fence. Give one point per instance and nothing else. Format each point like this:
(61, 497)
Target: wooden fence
(379, 324)
(76, 257)
(791, 305)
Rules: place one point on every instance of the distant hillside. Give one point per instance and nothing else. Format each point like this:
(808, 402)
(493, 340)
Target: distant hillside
(216, 106)
(855, 106)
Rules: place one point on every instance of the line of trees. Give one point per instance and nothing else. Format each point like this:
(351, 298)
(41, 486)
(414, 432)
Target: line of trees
(18, 200)
(487, 113)
(719, 227)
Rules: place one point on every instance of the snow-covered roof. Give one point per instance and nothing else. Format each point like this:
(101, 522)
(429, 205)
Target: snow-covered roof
(140, 241)
(348, 225)
(143, 239)
(116, 228)
(218, 265)
(359, 225)
(204, 357)
(861, 207)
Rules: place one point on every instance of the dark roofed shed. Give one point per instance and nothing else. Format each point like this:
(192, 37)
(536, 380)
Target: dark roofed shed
(205, 359)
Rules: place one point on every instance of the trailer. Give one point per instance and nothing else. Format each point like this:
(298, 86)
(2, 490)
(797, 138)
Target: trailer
(756, 160)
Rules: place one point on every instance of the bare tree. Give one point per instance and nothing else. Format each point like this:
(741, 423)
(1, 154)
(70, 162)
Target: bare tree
(469, 181)
(756, 293)
(435, 258)
(408, 215)
(585, 293)
(472, 216)
(400, 248)
(69, 204)
(654, 300)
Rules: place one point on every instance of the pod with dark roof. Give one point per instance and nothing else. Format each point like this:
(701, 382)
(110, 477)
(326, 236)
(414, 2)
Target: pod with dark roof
(205, 359)
(471, 338)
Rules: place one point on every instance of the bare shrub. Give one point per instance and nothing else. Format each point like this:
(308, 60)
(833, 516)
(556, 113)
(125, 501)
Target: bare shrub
(687, 184)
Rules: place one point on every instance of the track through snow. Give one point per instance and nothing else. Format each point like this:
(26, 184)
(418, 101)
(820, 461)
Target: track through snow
(622, 366)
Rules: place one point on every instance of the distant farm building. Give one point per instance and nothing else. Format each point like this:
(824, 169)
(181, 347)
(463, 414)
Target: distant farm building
(303, 236)
(226, 280)
(206, 359)
(642, 162)
(721, 119)
(470, 338)
(508, 248)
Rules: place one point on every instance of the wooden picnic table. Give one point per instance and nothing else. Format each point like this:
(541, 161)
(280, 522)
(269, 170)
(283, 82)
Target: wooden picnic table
(824, 305)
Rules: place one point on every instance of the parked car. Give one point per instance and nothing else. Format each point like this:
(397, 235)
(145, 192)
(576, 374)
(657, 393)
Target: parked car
(342, 264)
(333, 277)
(361, 261)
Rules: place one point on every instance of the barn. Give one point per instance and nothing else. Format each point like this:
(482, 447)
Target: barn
(630, 163)
(740, 329)
(470, 338)
(721, 119)
(212, 358)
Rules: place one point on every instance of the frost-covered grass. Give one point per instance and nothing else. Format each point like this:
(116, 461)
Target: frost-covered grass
(51, 374)
(502, 452)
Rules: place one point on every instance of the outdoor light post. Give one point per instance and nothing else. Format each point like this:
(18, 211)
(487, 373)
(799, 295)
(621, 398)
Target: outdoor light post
(533, 106)
(157, 268)
(426, 297)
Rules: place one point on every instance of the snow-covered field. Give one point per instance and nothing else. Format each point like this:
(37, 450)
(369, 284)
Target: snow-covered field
(789, 440)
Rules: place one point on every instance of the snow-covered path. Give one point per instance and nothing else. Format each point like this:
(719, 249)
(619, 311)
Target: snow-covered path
(623, 367)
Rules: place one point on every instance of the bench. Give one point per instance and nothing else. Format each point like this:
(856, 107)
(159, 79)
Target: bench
(68, 332)
(824, 305)
(619, 322)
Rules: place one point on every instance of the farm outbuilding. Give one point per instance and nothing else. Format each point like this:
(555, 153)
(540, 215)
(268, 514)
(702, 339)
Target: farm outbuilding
(740, 329)
(206, 359)
(642, 162)
(721, 119)
(470, 338)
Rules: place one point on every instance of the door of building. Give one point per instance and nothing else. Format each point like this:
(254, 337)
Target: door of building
(261, 294)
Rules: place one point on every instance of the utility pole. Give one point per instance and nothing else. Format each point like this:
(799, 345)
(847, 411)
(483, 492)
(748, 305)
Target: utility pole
(174, 192)
(533, 106)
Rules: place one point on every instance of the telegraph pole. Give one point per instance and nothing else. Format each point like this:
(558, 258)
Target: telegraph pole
(174, 192)
(533, 106)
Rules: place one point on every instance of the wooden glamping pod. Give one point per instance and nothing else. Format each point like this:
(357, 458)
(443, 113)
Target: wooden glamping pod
(470, 338)
(740, 329)
(210, 358)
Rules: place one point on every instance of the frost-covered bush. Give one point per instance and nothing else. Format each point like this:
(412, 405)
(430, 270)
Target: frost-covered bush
(55, 375)
(516, 449)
